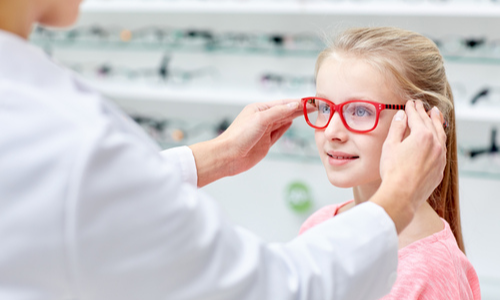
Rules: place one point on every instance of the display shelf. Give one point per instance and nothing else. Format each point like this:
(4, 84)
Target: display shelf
(479, 174)
(215, 49)
(187, 94)
(373, 8)
(478, 60)
(478, 113)
(140, 47)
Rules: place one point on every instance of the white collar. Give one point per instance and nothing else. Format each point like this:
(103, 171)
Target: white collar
(23, 62)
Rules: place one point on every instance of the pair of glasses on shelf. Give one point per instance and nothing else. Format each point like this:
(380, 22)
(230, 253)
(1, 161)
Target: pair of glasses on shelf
(457, 45)
(480, 160)
(475, 152)
(287, 82)
(177, 38)
(80, 34)
(358, 116)
(161, 73)
(489, 95)
(297, 143)
(173, 132)
(113, 34)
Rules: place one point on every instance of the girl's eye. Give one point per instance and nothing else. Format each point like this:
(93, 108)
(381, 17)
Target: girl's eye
(361, 111)
(324, 108)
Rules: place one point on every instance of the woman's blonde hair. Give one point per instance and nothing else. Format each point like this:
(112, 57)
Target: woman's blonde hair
(416, 67)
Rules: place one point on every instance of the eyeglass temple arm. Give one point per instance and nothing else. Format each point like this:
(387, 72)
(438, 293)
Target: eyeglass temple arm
(395, 106)
(402, 106)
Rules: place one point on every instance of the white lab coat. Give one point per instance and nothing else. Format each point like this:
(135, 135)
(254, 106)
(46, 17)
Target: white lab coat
(90, 209)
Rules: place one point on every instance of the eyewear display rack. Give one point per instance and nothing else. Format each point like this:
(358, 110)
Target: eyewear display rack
(440, 19)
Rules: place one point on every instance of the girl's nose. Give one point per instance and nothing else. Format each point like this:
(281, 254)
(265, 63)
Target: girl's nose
(336, 129)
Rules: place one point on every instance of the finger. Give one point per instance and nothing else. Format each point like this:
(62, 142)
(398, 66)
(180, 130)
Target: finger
(299, 113)
(440, 115)
(266, 105)
(281, 112)
(277, 125)
(414, 119)
(278, 133)
(289, 119)
(437, 121)
(430, 123)
(398, 128)
(419, 106)
(292, 117)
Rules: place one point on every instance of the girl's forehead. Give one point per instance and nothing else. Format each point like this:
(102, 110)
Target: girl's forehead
(349, 77)
(348, 65)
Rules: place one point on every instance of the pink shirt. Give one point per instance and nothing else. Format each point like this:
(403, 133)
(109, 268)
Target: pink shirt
(432, 268)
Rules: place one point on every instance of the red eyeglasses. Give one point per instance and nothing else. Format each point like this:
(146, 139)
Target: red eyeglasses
(359, 116)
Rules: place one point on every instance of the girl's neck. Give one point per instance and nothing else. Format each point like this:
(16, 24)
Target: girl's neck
(425, 222)
(363, 193)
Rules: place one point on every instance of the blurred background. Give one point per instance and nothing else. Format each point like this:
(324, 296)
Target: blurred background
(184, 69)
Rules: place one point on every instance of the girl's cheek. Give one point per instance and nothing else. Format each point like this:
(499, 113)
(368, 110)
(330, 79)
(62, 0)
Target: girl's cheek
(319, 136)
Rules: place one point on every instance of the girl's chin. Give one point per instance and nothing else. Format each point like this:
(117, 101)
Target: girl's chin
(341, 183)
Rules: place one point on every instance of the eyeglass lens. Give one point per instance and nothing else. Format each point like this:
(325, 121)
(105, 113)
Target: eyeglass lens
(357, 115)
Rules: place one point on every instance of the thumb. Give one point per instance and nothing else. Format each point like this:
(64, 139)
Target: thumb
(398, 128)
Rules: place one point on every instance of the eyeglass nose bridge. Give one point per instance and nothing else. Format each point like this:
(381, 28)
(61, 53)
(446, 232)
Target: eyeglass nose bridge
(338, 108)
(341, 118)
(333, 108)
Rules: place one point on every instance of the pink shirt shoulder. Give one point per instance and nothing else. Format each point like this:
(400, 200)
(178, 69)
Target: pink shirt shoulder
(431, 268)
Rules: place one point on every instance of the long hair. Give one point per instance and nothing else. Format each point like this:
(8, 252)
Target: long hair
(416, 66)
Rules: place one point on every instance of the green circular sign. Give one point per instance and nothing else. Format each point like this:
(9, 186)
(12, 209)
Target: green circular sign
(298, 196)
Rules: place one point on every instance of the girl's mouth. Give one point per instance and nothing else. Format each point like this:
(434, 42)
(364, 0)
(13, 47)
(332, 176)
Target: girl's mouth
(338, 159)
(342, 157)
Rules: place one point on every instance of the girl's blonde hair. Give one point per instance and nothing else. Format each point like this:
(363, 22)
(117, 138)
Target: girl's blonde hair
(415, 65)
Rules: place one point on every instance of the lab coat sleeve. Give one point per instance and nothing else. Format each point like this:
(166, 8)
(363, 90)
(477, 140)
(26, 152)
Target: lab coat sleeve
(138, 228)
(186, 162)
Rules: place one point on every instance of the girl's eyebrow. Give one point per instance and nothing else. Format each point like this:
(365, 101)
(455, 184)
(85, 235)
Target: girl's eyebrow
(319, 95)
(363, 98)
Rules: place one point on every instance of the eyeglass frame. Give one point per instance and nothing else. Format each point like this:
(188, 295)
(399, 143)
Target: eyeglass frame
(338, 108)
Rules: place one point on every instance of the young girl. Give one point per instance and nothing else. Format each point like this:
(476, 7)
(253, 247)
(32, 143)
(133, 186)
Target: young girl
(362, 80)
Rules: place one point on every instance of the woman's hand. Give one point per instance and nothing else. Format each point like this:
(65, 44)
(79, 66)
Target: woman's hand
(246, 142)
(412, 167)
